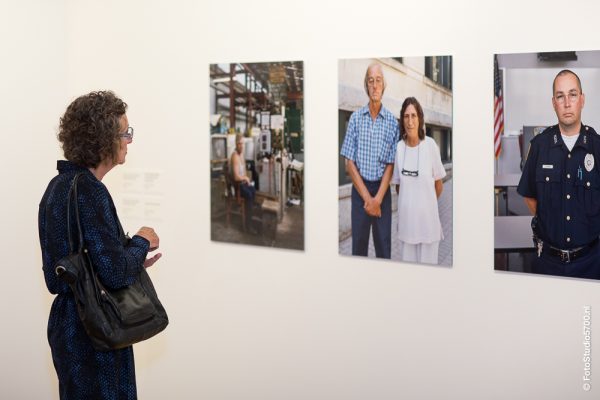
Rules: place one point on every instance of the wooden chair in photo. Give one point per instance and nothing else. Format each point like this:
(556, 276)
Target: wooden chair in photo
(235, 203)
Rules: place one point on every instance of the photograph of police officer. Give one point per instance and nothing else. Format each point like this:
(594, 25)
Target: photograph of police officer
(559, 183)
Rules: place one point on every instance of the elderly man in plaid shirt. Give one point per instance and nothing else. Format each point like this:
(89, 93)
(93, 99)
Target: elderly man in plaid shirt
(370, 149)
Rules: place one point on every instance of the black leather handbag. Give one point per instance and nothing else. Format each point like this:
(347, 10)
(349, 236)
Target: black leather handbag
(113, 319)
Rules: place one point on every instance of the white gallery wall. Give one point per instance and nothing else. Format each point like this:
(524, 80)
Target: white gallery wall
(33, 90)
(265, 324)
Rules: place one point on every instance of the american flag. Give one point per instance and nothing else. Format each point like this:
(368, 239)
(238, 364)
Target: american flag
(498, 110)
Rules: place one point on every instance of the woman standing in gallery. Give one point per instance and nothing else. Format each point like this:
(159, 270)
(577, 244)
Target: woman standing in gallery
(418, 173)
(94, 133)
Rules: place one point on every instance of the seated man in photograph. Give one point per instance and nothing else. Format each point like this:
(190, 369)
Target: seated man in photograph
(561, 186)
(238, 173)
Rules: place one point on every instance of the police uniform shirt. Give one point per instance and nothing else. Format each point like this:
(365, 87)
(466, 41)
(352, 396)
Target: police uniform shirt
(566, 185)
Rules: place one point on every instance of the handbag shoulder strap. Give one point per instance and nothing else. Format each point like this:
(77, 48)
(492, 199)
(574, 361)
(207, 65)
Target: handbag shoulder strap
(80, 249)
(73, 194)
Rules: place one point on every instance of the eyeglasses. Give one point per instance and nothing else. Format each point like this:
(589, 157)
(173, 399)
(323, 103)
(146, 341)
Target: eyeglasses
(128, 135)
(407, 172)
(562, 99)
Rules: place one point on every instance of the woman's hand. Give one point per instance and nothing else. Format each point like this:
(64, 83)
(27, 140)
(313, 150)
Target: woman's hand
(150, 261)
(151, 236)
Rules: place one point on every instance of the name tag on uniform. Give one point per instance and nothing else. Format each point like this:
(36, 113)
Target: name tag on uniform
(547, 166)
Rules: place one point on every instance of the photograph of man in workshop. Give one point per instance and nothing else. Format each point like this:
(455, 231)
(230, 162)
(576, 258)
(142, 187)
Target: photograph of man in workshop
(547, 180)
(395, 158)
(257, 153)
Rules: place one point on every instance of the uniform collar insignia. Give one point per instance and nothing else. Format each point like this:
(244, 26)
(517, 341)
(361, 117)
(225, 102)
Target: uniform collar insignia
(583, 139)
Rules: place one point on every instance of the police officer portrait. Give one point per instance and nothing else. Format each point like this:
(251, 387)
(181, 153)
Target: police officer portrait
(547, 176)
(395, 158)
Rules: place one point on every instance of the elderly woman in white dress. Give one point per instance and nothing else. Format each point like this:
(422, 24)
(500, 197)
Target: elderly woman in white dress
(418, 174)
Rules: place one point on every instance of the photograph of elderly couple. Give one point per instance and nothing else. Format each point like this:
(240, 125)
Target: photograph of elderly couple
(547, 180)
(395, 158)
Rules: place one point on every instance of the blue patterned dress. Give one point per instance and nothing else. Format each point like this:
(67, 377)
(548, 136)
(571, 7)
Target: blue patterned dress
(84, 373)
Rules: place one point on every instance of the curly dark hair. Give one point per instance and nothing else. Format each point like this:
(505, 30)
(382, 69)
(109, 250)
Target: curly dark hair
(415, 103)
(89, 128)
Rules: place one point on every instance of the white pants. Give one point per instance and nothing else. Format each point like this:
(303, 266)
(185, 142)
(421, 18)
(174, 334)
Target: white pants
(426, 253)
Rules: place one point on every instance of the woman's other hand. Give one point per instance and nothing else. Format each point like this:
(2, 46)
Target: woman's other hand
(150, 261)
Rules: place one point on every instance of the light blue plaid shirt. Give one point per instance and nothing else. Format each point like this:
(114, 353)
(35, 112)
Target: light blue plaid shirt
(371, 145)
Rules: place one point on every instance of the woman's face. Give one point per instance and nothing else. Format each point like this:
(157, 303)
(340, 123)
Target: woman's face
(410, 119)
(122, 152)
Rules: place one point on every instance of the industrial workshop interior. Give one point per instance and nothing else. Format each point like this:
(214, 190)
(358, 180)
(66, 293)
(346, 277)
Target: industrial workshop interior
(262, 102)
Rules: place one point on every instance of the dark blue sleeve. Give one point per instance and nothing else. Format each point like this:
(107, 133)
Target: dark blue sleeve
(51, 223)
(526, 186)
(117, 263)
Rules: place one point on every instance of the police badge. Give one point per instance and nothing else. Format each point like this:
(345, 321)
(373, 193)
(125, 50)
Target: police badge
(588, 161)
